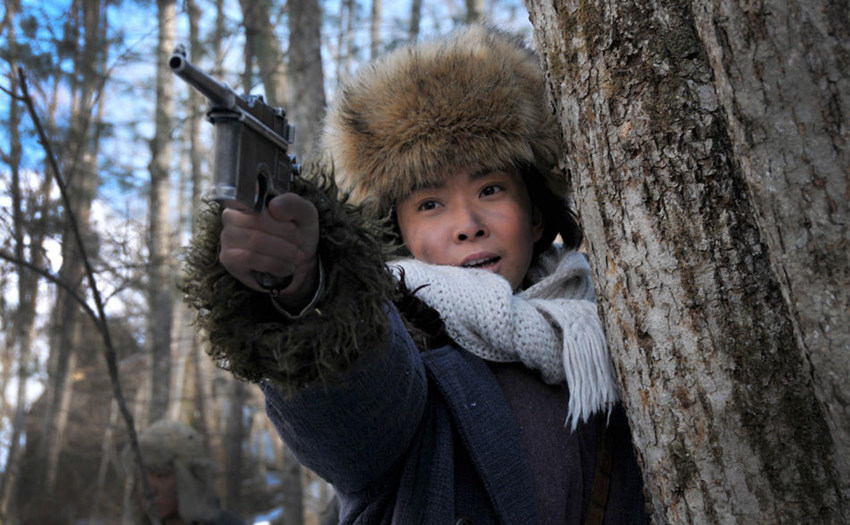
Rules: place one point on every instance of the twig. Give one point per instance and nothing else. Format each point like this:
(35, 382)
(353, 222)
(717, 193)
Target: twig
(11, 94)
(55, 280)
(100, 318)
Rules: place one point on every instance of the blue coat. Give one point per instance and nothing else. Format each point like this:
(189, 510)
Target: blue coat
(428, 437)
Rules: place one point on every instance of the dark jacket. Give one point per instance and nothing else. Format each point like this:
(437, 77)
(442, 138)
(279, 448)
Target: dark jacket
(405, 436)
(409, 437)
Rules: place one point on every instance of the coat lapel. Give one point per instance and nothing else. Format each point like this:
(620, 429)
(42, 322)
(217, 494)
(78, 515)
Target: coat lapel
(488, 429)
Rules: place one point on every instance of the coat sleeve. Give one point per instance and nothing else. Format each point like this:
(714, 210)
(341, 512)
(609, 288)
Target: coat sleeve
(354, 428)
(251, 339)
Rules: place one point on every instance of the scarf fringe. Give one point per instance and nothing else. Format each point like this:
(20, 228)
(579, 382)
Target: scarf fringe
(483, 317)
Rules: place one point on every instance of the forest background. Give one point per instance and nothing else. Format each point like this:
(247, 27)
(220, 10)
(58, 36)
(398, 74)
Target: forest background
(133, 156)
(706, 145)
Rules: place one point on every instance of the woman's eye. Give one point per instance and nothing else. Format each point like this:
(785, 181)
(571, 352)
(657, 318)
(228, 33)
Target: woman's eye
(427, 205)
(490, 189)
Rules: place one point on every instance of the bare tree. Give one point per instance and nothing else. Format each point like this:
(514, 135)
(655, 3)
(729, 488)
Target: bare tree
(160, 295)
(19, 338)
(97, 313)
(307, 104)
(345, 40)
(706, 147)
(80, 169)
(415, 19)
(265, 47)
(234, 437)
(375, 30)
(474, 11)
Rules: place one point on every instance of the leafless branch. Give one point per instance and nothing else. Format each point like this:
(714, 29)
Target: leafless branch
(100, 317)
(55, 280)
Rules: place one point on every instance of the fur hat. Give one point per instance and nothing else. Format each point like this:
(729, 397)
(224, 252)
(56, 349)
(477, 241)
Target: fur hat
(474, 97)
(177, 447)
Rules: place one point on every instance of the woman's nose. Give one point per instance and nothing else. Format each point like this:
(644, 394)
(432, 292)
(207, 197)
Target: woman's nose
(468, 225)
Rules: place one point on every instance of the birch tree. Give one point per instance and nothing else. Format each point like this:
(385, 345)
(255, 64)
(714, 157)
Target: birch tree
(160, 294)
(706, 145)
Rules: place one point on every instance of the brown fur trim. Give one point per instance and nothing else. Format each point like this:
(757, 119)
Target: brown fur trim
(250, 339)
(474, 98)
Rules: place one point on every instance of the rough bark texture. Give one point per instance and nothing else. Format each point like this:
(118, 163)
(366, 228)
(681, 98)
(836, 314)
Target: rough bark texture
(720, 395)
(307, 104)
(782, 70)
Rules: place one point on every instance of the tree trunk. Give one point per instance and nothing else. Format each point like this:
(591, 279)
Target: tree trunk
(196, 151)
(79, 170)
(375, 30)
(718, 389)
(265, 47)
(105, 456)
(235, 435)
(20, 336)
(474, 11)
(415, 19)
(160, 299)
(292, 489)
(307, 105)
(345, 42)
(784, 85)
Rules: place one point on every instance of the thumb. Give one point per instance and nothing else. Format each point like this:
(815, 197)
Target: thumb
(291, 207)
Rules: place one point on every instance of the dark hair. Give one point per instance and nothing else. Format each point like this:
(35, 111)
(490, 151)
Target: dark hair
(557, 216)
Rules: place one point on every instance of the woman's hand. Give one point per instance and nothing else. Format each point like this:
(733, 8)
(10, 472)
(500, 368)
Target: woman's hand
(281, 241)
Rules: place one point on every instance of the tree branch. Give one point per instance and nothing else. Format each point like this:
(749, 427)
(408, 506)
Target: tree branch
(55, 280)
(100, 317)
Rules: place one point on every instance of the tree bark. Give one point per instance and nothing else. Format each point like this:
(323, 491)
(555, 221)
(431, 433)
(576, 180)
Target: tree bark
(160, 299)
(19, 338)
(265, 46)
(415, 19)
(81, 177)
(474, 11)
(375, 30)
(234, 461)
(783, 81)
(196, 151)
(345, 42)
(307, 105)
(292, 489)
(719, 391)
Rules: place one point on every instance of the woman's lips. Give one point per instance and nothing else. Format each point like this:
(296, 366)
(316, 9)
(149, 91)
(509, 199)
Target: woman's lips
(480, 260)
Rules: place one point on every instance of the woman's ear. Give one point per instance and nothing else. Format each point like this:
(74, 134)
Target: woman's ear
(538, 222)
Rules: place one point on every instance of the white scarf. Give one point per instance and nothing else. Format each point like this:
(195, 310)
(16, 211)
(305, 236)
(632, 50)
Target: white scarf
(552, 326)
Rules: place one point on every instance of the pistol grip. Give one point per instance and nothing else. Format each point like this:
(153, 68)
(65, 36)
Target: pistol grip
(268, 281)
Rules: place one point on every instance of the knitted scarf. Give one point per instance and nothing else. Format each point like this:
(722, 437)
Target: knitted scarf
(552, 326)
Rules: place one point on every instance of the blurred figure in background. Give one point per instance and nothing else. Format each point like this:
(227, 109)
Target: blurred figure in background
(179, 473)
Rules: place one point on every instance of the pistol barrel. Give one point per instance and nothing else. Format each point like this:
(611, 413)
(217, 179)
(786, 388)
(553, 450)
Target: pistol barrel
(218, 94)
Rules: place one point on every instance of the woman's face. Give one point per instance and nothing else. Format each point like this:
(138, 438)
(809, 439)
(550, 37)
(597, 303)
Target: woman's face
(476, 218)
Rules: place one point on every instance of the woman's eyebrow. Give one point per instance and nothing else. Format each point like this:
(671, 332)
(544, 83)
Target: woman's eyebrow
(431, 185)
(483, 172)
